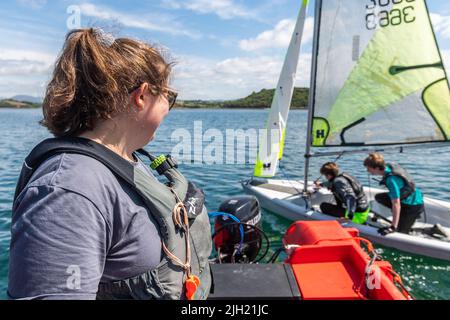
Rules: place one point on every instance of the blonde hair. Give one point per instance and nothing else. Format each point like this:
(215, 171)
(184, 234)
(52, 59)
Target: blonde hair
(375, 160)
(93, 77)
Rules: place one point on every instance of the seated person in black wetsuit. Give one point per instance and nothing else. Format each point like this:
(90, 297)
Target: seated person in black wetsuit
(349, 194)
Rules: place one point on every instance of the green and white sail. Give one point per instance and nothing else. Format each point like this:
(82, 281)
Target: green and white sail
(379, 78)
(271, 143)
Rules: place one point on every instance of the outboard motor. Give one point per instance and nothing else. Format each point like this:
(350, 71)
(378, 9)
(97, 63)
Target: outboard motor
(237, 225)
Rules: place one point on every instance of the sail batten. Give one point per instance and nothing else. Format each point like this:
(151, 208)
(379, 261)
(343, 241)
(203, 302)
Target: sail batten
(380, 76)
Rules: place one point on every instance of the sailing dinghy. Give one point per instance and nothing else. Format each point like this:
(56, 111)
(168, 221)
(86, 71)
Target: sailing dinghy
(378, 83)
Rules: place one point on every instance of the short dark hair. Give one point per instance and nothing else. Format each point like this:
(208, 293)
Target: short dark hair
(330, 168)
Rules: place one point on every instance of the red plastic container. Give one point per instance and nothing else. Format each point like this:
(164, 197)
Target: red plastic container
(330, 264)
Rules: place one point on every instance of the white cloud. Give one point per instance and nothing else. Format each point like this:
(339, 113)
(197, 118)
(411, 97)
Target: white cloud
(225, 9)
(25, 62)
(24, 72)
(278, 37)
(441, 24)
(199, 78)
(160, 23)
(28, 86)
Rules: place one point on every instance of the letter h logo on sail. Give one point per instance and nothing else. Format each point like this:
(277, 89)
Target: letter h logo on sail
(320, 134)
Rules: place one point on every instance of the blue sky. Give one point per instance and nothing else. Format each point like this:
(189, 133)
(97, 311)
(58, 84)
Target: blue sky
(224, 48)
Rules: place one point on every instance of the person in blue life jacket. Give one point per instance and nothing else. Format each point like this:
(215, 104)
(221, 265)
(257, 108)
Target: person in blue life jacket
(404, 198)
(351, 201)
(90, 220)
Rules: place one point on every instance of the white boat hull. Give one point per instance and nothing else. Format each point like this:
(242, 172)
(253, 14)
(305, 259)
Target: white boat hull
(283, 197)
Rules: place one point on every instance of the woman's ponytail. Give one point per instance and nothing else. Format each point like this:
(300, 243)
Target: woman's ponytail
(91, 79)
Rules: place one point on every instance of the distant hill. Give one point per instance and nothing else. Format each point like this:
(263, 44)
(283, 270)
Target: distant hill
(10, 103)
(256, 100)
(26, 98)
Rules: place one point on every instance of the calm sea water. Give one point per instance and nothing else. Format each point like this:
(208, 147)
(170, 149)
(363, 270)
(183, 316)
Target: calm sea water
(426, 278)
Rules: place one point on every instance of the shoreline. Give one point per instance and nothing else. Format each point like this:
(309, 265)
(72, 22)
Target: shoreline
(255, 101)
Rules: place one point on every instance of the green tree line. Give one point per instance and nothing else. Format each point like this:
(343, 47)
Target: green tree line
(256, 100)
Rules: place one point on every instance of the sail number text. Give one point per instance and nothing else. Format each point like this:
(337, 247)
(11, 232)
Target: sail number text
(379, 15)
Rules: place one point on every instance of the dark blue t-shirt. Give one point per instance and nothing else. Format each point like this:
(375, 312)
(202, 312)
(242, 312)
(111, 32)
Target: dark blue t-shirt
(75, 225)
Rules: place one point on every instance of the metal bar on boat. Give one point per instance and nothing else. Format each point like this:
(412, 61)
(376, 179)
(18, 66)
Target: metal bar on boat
(312, 91)
(400, 149)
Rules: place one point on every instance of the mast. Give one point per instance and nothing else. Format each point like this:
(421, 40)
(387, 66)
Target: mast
(312, 89)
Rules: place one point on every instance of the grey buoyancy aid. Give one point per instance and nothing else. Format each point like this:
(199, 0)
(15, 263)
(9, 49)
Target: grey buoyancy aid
(361, 199)
(398, 171)
(167, 280)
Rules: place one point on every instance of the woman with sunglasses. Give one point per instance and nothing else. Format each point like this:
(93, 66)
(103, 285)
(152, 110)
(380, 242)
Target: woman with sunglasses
(90, 220)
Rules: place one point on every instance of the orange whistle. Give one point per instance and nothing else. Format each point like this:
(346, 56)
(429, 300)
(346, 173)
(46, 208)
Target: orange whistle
(191, 285)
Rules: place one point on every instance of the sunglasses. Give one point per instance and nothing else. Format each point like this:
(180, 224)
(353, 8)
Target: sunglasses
(171, 98)
(170, 95)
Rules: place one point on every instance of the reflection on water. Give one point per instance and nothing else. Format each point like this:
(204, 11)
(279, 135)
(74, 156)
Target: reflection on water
(427, 278)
